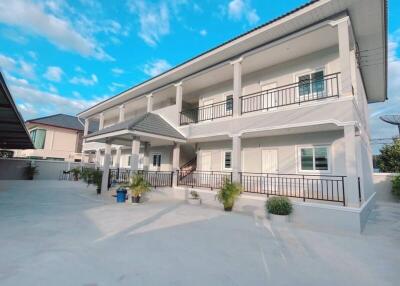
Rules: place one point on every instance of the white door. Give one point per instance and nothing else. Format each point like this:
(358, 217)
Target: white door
(206, 112)
(270, 97)
(205, 161)
(270, 161)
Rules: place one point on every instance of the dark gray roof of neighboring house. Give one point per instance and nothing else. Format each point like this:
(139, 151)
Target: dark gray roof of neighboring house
(63, 121)
(13, 133)
(149, 123)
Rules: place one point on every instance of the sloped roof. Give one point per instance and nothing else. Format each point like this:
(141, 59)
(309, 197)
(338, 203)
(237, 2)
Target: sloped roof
(149, 123)
(13, 133)
(63, 121)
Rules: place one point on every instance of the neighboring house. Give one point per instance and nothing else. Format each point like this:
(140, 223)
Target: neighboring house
(55, 137)
(282, 108)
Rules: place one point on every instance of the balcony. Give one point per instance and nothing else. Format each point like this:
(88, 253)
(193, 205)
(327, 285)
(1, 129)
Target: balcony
(207, 112)
(305, 90)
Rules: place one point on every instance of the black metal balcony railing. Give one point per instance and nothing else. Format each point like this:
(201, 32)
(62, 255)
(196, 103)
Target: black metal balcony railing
(297, 93)
(203, 179)
(207, 112)
(154, 178)
(313, 187)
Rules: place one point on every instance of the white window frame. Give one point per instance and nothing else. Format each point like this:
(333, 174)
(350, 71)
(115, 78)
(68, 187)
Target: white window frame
(225, 96)
(309, 72)
(223, 160)
(298, 159)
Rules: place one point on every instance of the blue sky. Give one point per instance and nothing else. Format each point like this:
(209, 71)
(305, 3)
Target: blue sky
(64, 56)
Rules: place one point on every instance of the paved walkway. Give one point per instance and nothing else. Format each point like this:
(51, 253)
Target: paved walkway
(61, 233)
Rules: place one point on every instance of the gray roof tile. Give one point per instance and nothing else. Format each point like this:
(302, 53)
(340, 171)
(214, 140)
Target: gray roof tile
(148, 123)
(64, 121)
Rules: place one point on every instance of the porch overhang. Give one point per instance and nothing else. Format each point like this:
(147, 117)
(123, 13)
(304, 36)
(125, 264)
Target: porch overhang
(150, 128)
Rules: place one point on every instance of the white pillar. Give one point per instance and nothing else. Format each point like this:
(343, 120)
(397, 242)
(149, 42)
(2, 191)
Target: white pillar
(117, 162)
(236, 158)
(344, 55)
(146, 158)
(86, 128)
(135, 154)
(351, 181)
(149, 102)
(106, 167)
(178, 98)
(175, 162)
(237, 85)
(121, 113)
(101, 121)
(97, 159)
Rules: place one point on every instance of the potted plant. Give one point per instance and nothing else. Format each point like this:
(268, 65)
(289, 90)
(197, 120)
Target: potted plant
(228, 194)
(30, 171)
(93, 177)
(138, 187)
(75, 173)
(396, 186)
(194, 198)
(278, 209)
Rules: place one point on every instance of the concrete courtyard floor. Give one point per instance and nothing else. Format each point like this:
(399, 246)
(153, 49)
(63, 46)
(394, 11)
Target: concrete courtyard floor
(61, 233)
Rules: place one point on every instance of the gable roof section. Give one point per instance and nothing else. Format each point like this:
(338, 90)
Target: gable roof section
(63, 121)
(13, 133)
(148, 123)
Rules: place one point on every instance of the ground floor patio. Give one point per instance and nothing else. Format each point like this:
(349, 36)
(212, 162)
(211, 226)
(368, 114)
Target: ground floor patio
(62, 233)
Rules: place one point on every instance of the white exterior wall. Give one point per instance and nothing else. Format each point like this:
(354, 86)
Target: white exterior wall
(287, 147)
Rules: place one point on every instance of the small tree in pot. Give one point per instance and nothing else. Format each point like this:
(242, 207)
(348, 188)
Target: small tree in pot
(75, 173)
(93, 177)
(138, 186)
(228, 194)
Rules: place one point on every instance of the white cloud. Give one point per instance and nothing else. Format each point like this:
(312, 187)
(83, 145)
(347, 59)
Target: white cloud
(156, 67)
(88, 81)
(53, 89)
(203, 32)
(117, 71)
(115, 86)
(53, 73)
(33, 55)
(153, 20)
(27, 69)
(7, 63)
(242, 9)
(32, 17)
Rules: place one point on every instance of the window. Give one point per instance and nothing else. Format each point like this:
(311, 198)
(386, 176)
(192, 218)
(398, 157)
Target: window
(156, 160)
(312, 83)
(314, 158)
(38, 138)
(129, 160)
(229, 103)
(227, 160)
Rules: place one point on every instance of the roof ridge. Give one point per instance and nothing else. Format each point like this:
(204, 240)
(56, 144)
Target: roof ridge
(48, 116)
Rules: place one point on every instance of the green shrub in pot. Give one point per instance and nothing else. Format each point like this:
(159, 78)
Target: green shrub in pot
(279, 206)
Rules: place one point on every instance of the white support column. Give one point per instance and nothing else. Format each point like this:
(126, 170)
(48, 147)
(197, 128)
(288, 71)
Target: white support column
(146, 156)
(101, 121)
(106, 167)
(149, 102)
(135, 154)
(121, 113)
(117, 162)
(236, 158)
(97, 159)
(351, 181)
(178, 98)
(175, 162)
(344, 55)
(86, 128)
(237, 85)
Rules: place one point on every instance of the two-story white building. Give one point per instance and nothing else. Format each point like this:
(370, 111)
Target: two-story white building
(281, 109)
